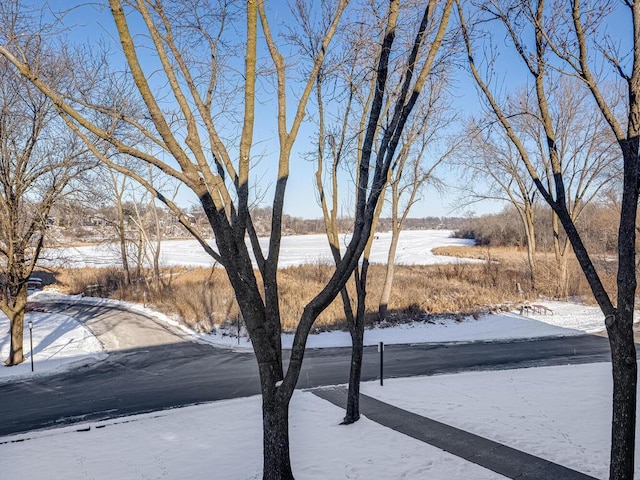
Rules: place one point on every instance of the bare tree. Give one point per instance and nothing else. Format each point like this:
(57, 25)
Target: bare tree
(493, 171)
(421, 152)
(191, 130)
(585, 148)
(568, 42)
(341, 143)
(38, 159)
(149, 225)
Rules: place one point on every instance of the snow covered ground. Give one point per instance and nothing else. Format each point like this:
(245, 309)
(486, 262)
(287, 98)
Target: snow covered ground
(414, 247)
(562, 414)
(59, 342)
(541, 411)
(558, 413)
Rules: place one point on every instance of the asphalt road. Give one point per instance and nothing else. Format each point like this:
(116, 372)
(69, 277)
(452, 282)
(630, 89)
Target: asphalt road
(149, 368)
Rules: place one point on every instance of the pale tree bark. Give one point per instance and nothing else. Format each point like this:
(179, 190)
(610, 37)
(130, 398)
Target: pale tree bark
(193, 134)
(566, 41)
(148, 223)
(119, 185)
(585, 149)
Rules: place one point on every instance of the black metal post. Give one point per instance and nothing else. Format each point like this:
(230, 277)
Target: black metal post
(381, 349)
(238, 326)
(31, 342)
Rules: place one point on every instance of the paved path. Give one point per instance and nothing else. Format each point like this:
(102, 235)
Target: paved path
(494, 456)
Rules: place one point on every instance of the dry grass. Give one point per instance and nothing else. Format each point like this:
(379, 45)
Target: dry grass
(203, 298)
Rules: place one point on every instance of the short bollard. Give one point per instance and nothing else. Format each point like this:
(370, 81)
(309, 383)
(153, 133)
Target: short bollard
(381, 350)
(31, 341)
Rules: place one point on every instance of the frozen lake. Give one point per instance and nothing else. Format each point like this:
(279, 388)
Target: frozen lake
(414, 248)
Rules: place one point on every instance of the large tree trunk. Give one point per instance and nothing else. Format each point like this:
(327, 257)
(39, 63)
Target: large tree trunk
(620, 326)
(625, 379)
(16, 329)
(275, 427)
(16, 351)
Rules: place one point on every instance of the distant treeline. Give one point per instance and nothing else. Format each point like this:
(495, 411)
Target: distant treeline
(597, 225)
(303, 226)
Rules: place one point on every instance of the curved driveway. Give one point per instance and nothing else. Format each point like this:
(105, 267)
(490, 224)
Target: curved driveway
(150, 368)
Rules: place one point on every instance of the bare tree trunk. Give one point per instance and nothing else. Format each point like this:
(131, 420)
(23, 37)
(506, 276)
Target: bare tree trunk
(16, 328)
(531, 244)
(356, 329)
(275, 423)
(277, 464)
(139, 256)
(355, 372)
(16, 352)
(625, 379)
(561, 260)
(123, 245)
(388, 276)
(619, 323)
(620, 326)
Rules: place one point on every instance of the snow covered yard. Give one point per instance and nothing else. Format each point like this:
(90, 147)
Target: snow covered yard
(59, 342)
(558, 413)
(561, 414)
(541, 411)
(568, 319)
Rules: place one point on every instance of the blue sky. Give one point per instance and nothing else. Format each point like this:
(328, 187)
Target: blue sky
(91, 22)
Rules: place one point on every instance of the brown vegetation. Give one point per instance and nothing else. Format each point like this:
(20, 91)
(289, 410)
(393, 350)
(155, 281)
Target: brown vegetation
(203, 299)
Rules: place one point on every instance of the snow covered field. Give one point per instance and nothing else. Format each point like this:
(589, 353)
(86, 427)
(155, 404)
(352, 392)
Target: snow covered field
(414, 248)
(561, 414)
